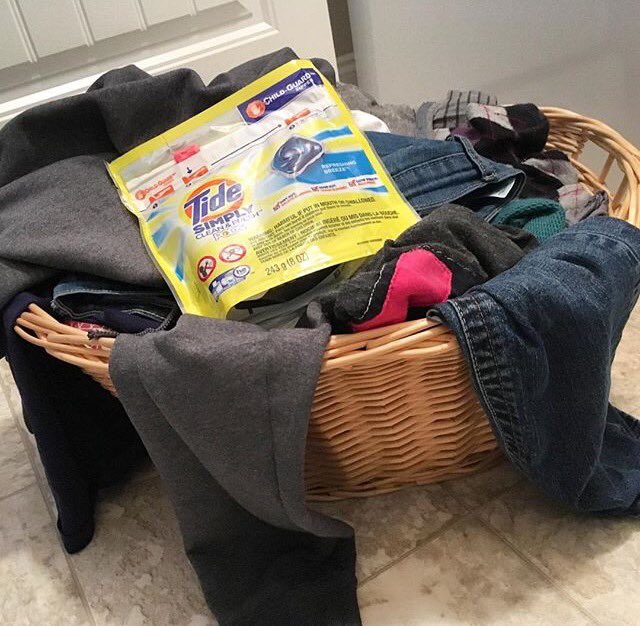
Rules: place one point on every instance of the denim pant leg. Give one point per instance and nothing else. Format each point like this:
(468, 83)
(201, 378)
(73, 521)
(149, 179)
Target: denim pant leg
(121, 307)
(540, 339)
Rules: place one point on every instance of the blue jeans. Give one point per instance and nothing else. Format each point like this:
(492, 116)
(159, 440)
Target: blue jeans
(430, 173)
(539, 340)
(121, 307)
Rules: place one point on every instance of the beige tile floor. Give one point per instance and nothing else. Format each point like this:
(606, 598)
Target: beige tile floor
(487, 550)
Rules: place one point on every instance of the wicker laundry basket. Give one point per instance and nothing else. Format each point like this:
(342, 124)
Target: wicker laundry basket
(394, 406)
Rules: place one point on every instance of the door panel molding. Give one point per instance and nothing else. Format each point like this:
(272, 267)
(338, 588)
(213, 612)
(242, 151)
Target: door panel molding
(216, 35)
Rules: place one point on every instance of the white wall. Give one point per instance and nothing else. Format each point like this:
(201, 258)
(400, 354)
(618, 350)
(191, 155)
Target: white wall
(578, 54)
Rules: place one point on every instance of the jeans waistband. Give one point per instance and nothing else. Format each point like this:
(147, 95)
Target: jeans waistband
(430, 172)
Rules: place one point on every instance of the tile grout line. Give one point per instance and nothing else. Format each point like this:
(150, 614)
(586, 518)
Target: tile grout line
(25, 445)
(6, 392)
(30, 451)
(33, 483)
(28, 448)
(54, 520)
(469, 511)
(79, 588)
(473, 509)
(523, 556)
(52, 514)
(419, 544)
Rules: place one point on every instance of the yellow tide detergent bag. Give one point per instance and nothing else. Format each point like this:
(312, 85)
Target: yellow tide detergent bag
(271, 184)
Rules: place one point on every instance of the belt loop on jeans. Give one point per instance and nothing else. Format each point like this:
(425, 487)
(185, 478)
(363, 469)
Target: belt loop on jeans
(486, 172)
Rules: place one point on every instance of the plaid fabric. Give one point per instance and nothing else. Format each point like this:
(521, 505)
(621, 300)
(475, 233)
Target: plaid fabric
(494, 114)
(435, 119)
(451, 112)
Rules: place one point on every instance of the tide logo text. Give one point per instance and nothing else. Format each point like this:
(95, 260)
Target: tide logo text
(213, 199)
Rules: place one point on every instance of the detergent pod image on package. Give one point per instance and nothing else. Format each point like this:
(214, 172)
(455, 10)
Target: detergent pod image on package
(270, 185)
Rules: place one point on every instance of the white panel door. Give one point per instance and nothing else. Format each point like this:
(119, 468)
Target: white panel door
(108, 19)
(54, 48)
(53, 26)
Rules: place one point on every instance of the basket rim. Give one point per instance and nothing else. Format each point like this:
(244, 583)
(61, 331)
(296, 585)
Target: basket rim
(422, 338)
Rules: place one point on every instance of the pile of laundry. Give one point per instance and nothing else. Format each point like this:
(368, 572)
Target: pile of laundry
(511, 252)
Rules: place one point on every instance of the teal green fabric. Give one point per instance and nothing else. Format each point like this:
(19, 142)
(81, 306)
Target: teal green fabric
(542, 217)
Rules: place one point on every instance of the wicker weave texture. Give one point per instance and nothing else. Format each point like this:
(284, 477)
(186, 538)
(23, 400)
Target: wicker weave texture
(394, 406)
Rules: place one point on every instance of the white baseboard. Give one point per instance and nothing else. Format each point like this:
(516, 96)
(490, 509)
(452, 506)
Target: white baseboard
(347, 68)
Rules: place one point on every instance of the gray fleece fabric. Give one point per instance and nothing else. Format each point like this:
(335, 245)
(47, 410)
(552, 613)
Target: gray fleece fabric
(400, 118)
(223, 408)
(59, 210)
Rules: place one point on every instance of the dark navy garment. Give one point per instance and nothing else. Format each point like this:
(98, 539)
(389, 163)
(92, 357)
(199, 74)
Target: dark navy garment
(121, 307)
(539, 340)
(430, 173)
(84, 436)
